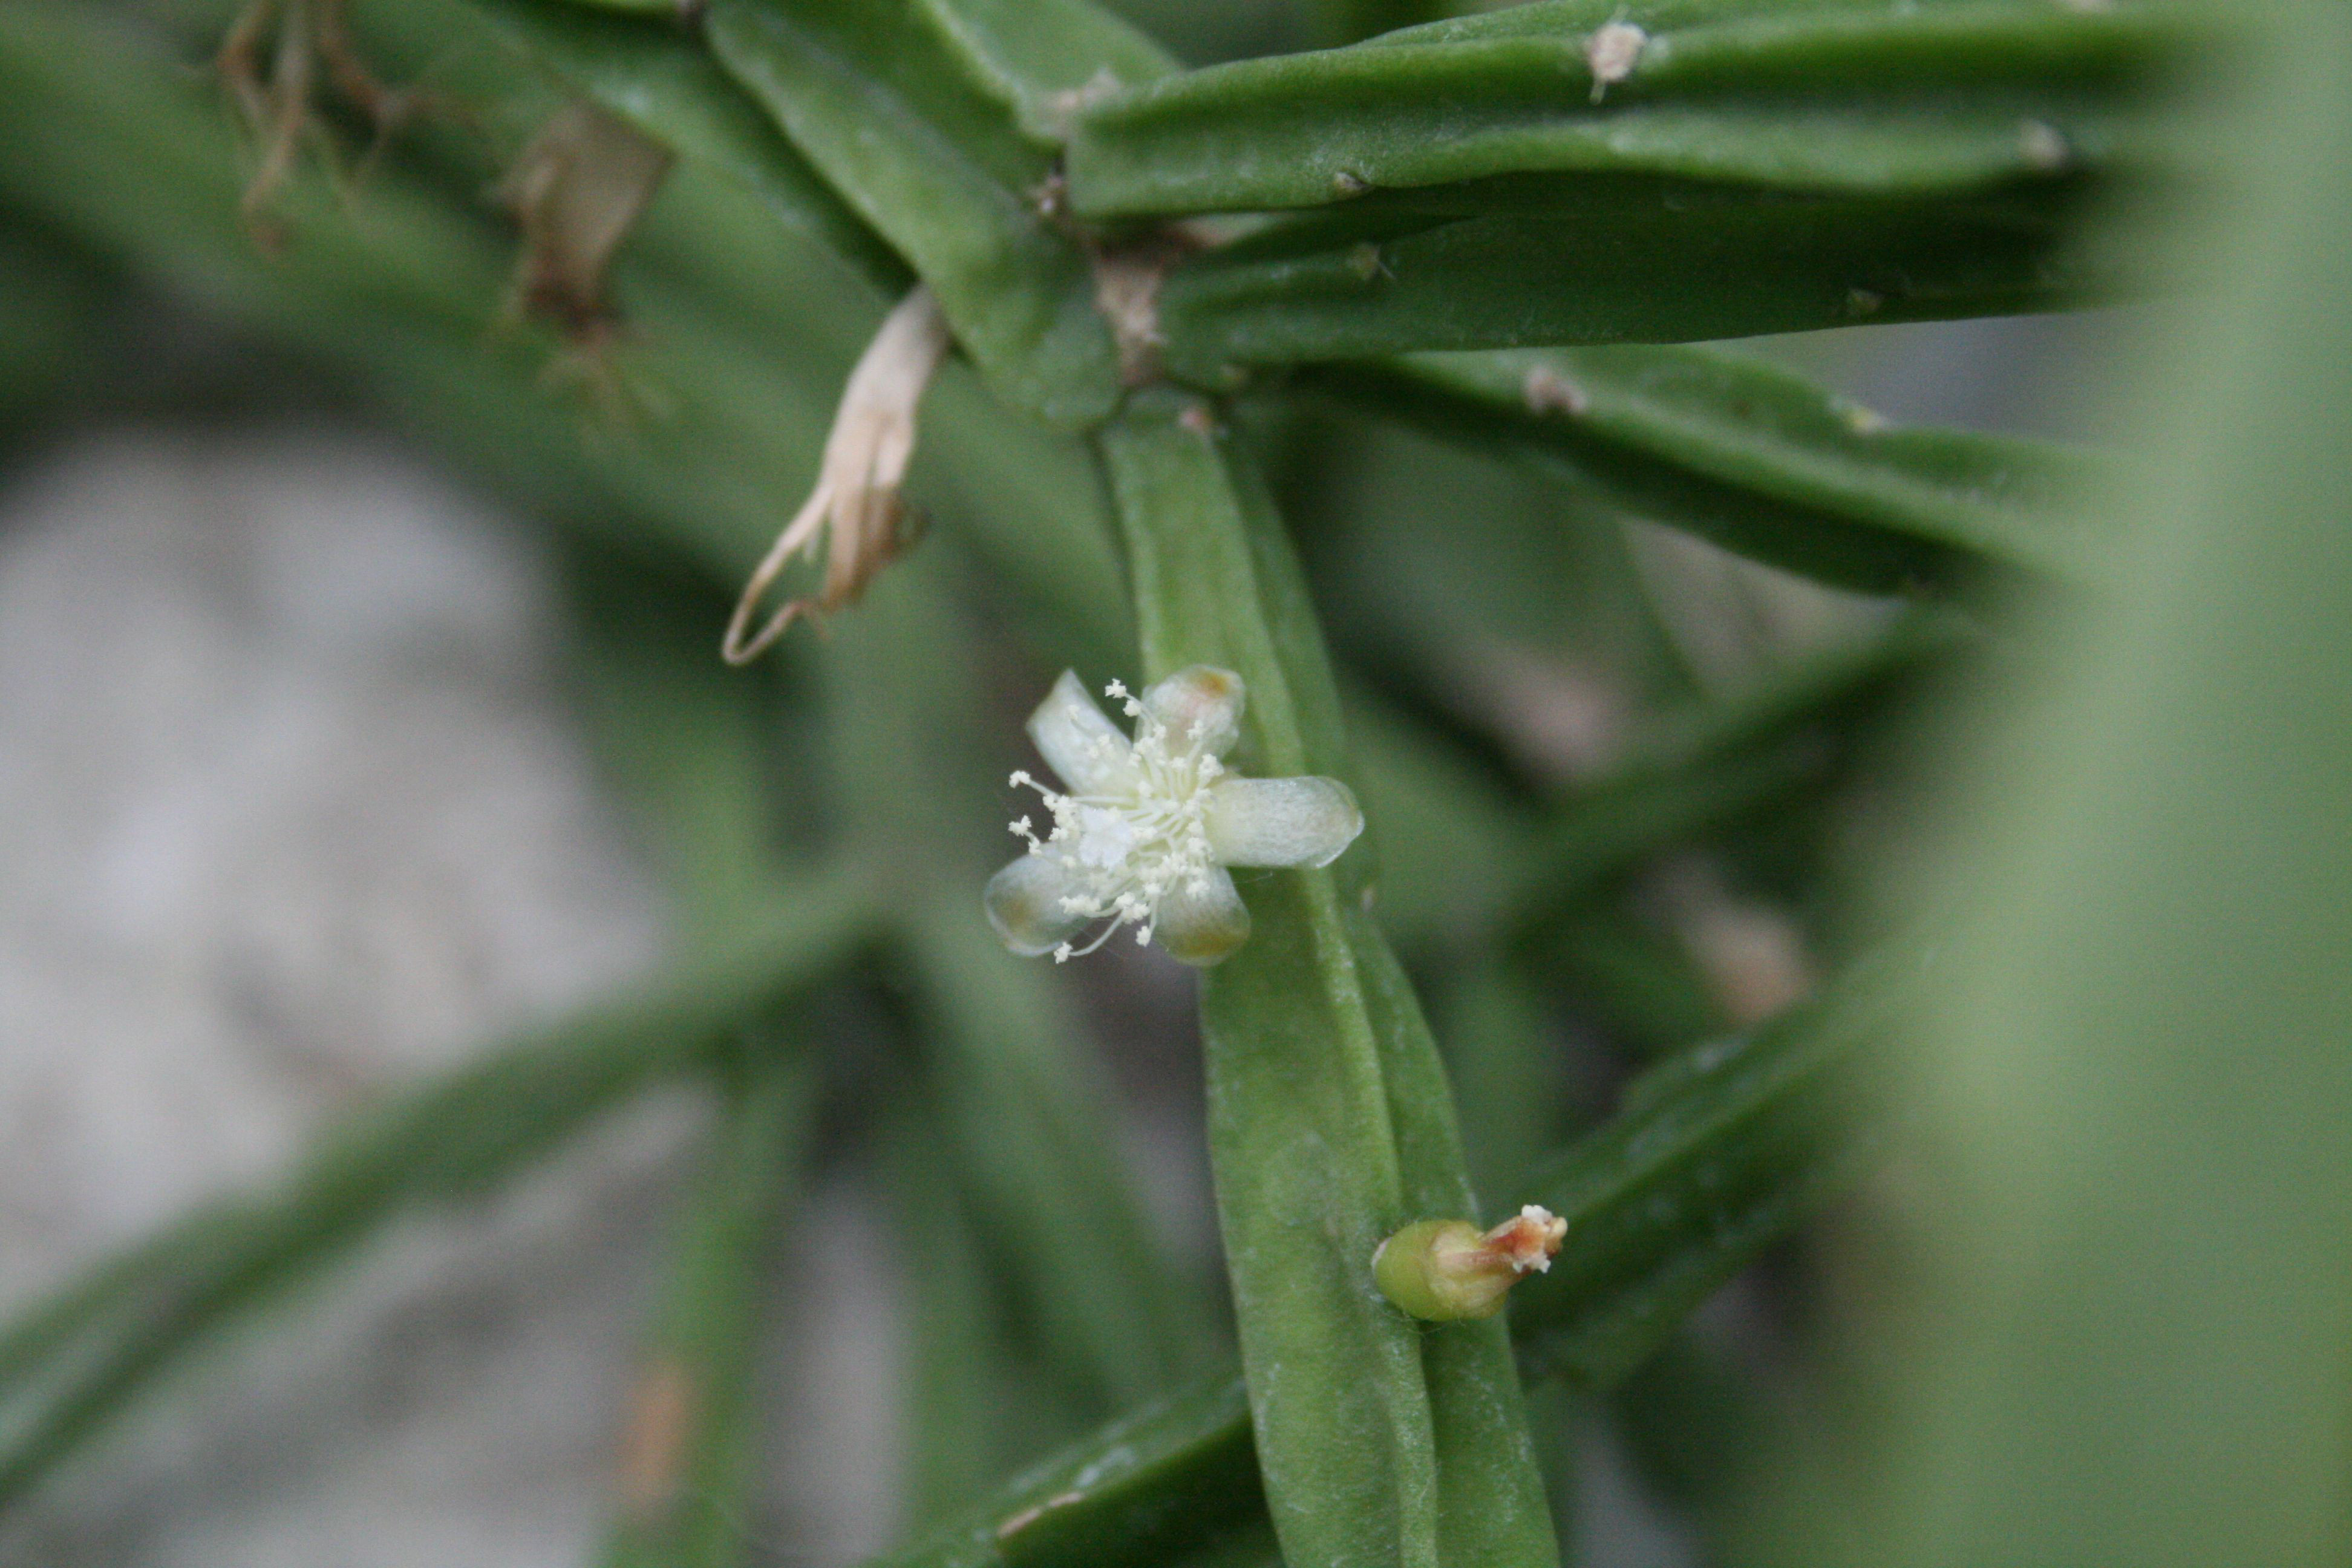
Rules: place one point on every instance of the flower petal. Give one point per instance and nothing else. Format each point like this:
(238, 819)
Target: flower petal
(1200, 927)
(1082, 746)
(1024, 904)
(1281, 822)
(1200, 706)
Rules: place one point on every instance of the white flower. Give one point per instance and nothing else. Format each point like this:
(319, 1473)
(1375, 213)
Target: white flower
(1145, 835)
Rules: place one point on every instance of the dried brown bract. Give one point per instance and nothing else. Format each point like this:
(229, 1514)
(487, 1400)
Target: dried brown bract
(576, 190)
(857, 489)
(278, 60)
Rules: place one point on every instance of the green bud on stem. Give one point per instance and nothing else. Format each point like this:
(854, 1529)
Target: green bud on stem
(1448, 1269)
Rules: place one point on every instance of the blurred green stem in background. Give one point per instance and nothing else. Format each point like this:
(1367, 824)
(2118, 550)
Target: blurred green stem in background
(695, 1431)
(2124, 1338)
(455, 1141)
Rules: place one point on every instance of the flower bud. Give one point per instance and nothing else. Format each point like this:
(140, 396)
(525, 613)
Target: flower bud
(1446, 1269)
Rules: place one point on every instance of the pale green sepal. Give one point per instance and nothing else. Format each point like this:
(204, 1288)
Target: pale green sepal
(1281, 822)
(1024, 905)
(1201, 924)
(1201, 706)
(1086, 752)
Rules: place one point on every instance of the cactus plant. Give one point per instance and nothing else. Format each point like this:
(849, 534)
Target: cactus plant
(1136, 332)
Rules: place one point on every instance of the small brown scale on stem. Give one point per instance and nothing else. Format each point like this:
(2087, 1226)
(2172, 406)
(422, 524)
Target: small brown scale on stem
(280, 101)
(576, 190)
(1127, 276)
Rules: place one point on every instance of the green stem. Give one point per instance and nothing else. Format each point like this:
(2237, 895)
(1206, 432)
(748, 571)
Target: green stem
(1696, 772)
(1330, 1122)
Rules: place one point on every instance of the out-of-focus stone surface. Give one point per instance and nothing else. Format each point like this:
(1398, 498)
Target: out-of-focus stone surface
(292, 812)
(289, 809)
